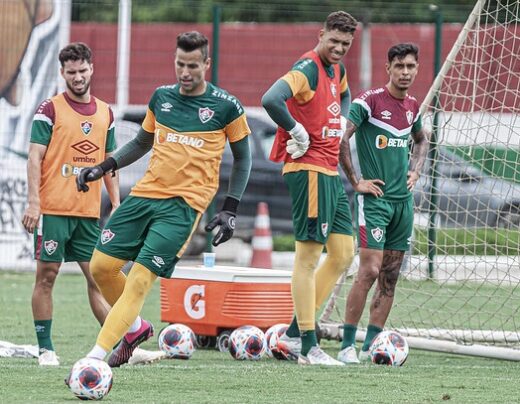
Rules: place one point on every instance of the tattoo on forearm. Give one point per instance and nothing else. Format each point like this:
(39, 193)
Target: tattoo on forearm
(420, 149)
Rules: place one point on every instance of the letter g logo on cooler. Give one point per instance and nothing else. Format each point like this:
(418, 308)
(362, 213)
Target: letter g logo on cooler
(194, 304)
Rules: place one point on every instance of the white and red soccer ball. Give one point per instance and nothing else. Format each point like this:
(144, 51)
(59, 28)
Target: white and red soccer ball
(272, 335)
(389, 348)
(247, 343)
(90, 379)
(177, 341)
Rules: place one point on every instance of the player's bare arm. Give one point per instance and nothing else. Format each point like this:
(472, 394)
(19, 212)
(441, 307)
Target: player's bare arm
(420, 149)
(111, 182)
(32, 212)
(345, 159)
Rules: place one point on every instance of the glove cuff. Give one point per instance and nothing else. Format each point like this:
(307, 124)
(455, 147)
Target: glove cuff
(230, 205)
(108, 165)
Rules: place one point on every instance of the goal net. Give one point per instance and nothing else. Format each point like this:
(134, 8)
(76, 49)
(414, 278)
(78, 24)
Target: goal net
(459, 288)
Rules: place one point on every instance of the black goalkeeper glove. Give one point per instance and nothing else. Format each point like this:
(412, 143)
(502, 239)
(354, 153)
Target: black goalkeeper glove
(226, 220)
(89, 174)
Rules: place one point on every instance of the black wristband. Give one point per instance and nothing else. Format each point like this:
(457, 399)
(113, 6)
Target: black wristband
(230, 204)
(108, 165)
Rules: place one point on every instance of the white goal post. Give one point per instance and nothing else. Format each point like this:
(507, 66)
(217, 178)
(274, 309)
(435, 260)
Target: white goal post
(459, 290)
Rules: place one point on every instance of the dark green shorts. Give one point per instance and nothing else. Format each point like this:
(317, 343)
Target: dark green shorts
(319, 205)
(65, 238)
(152, 232)
(384, 225)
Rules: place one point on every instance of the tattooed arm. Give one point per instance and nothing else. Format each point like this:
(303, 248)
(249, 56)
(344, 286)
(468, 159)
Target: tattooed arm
(345, 159)
(421, 140)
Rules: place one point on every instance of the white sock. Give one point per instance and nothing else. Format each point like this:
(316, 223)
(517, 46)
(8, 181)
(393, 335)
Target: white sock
(135, 325)
(97, 353)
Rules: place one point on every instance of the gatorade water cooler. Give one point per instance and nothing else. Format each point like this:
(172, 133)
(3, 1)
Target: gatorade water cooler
(214, 301)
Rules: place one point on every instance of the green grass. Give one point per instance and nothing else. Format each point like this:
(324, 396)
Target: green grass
(483, 241)
(213, 377)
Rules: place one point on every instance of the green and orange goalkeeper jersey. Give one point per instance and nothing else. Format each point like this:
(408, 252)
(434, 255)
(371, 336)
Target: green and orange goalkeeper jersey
(190, 134)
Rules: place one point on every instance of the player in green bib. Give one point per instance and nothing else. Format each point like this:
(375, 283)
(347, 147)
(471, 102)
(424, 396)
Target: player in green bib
(383, 120)
(187, 125)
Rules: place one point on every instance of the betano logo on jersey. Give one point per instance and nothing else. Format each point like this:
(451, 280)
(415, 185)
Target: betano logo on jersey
(382, 142)
(172, 137)
(328, 132)
(68, 170)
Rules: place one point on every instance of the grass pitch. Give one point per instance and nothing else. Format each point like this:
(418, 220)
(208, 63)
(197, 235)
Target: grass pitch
(213, 377)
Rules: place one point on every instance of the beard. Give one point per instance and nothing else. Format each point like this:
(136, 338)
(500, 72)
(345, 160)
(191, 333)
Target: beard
(81, 93)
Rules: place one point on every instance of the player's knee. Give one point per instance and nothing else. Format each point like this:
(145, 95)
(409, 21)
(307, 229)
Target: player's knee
(139, 286)
(97, 267)
(390, 276)
(343, 257)
(367, 275)
(47, 274)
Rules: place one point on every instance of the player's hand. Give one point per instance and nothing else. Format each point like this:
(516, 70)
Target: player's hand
(370, 187)
(226, 221)
(296, 149)
(88, 174)
(299, 143)
(31, 217)
(413, 177)
(299, 133)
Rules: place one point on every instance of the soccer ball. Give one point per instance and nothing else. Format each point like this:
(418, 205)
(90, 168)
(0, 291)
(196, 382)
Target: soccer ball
(389, 348)
(177, 341)
(90, 379)
(272, 335)
(247, 343)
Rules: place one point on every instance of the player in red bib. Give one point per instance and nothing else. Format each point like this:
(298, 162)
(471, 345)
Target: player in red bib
(307, 104)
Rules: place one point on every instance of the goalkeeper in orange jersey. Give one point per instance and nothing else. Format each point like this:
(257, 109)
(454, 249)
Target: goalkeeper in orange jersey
(308, 104)
(187, 125)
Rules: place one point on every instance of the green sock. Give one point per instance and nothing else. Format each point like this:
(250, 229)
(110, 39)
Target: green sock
(349, 335)
(372, 331)
(293, 330)
(308, 341)
(43, 334)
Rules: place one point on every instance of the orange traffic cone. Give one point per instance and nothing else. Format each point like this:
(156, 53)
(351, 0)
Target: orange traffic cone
(262, 241)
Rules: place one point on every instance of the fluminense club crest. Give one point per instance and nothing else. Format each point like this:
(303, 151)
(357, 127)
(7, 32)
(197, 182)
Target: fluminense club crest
(324, 229)
(377, 233)
(205, 114)
(409, 117)
(333, 89)
(106, 236)
(86, 127)
(50, 246)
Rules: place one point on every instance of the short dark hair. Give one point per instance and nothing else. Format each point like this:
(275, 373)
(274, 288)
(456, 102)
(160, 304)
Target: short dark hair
(193, 40)
(340, 20)
(400, 51)
(75, 51)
